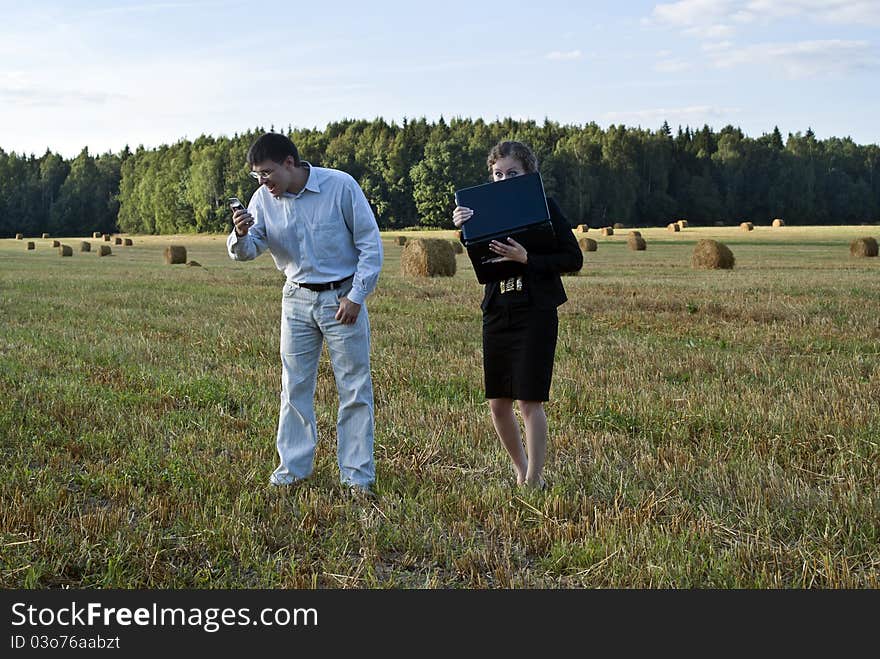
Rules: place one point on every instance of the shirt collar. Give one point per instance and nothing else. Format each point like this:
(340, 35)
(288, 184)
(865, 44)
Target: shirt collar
(311, 182)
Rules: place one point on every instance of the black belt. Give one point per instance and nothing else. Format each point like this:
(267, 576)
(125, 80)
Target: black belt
(328, 286)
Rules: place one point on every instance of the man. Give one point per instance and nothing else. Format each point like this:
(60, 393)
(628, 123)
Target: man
(320, 230)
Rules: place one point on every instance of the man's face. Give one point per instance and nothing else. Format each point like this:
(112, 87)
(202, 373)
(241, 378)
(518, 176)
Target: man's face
(276, 176)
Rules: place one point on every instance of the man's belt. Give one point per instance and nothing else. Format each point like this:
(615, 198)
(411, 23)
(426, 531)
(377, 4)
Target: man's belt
(328, 286)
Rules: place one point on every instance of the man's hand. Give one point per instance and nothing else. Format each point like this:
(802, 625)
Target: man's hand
(348, 311)
(242, 221)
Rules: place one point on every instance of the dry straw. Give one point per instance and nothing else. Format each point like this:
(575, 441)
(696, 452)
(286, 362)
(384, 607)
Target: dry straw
(712, 255)
(104, 250)
(85, 246)
(65, 250)
(193, 264)
(427, 257)
(746, 226)
(778, 222)
(457, 247)
(866, 246)
(588, 244)
(673, 226)
(607, 231)
(636, 243)
(635, 233)
(175, 254)
(31, 245)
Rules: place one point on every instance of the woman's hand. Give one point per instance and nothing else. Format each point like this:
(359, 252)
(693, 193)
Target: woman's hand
(460, 215)
(510, 252)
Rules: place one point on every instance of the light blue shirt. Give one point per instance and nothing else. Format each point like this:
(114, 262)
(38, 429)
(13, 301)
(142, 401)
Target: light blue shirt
(325, 233)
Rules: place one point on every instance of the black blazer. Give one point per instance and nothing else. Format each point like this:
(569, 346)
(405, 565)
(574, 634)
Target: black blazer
(541, 274)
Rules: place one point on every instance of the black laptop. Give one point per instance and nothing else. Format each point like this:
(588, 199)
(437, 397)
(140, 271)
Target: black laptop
(515, 208)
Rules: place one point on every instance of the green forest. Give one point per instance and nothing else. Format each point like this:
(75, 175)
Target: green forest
(409, 172)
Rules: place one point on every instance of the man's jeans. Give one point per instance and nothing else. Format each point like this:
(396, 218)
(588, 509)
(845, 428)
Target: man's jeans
(307, 319)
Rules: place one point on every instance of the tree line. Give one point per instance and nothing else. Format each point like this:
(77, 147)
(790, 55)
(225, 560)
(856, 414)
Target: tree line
(410, 171)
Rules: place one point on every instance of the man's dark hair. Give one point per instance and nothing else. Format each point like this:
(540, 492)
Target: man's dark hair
(274, 147)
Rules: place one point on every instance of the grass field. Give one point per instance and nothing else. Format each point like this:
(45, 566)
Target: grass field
(708, 428)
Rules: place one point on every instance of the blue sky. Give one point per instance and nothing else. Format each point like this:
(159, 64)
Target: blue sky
(104, 74)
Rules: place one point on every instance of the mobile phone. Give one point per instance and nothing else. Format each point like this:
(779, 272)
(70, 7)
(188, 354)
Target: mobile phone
(235, 204)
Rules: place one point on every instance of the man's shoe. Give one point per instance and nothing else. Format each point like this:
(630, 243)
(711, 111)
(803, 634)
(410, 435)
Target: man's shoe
(360, 491)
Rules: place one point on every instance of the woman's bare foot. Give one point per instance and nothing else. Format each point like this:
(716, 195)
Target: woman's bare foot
(539, 485)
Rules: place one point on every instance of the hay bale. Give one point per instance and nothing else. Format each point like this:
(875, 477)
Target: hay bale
(193, 264)
(31, 245)
(19, 236)
(175, 254)
(583, 228)
(636, 243)
(127, 242)
(106, 237)
(457, 247)
(118, 240)
(45, 235)
(400, 240)
(85, 246)
(56, 243)
(588, 244)
(607, 231)
(682, 223)
(746, 226)
(65, 250)
(673, 226)
(712, 255)
(635, 233)
(96, 234)
(427, 257)
(104, 250)
(862, 247)
(618, 225)
(778, 222)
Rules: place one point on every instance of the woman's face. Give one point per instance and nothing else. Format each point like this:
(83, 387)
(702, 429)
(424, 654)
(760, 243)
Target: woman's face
(506, 167)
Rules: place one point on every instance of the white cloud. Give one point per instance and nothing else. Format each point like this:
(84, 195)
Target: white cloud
(803, 59)
(695, 114)
(44, 98)
(671, 65)
(559, 55)
(720, 18)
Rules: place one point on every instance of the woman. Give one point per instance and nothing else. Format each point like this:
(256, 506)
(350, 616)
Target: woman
(520, 324)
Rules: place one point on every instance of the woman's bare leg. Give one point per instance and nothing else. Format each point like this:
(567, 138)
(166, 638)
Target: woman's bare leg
(507, 427)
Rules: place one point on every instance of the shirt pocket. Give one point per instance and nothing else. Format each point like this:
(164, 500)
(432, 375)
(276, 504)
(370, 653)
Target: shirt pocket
(328, 240)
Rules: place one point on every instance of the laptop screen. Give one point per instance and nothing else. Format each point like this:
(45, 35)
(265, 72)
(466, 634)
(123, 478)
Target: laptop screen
(503, 206)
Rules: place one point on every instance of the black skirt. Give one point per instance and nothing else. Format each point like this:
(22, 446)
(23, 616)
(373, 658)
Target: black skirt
(519, 343)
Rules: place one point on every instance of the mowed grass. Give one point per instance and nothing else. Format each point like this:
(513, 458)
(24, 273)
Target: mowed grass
(708, 428)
